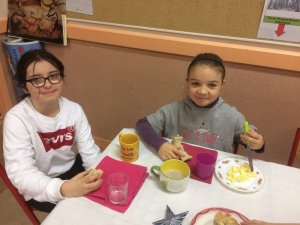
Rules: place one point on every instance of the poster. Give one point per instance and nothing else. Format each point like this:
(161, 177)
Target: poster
(280, 20)
(42, 20)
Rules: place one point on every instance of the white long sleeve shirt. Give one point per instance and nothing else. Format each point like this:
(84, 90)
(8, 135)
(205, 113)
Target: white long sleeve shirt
(38, 148)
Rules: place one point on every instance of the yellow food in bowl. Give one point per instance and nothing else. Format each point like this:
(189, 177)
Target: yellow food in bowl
(240, 173)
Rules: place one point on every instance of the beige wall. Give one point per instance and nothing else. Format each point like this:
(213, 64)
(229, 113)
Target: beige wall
(3, 8)
(116, 86)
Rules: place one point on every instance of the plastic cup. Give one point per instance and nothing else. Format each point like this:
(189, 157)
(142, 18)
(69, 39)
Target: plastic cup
(117, 187)
(205, 164)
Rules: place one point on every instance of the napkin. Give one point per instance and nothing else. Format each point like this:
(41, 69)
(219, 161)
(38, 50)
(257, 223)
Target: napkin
(136, 173)
(193, 151)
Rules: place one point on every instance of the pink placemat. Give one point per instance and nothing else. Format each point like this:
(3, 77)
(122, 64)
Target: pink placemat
(136, 173)
(193, 151)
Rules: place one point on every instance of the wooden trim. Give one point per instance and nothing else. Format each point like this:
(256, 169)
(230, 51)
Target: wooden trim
(5, 103)
(3, 24)
(272, 56)
(102, 143)
(266, 55)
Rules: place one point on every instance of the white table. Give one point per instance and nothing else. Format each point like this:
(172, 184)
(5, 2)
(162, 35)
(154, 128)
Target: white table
(277, 201)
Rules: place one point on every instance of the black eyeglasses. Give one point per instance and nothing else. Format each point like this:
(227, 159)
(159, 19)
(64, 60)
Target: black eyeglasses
(40, 81)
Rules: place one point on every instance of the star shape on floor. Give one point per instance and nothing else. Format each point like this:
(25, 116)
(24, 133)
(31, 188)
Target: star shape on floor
(171, 219)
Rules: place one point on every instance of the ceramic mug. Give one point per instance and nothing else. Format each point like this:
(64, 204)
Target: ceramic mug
(129, 147)
(173, 175)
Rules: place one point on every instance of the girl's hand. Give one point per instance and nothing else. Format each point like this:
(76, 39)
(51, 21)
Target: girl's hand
(81, 184)
(169, 151)
(256, 141)
(255, 222)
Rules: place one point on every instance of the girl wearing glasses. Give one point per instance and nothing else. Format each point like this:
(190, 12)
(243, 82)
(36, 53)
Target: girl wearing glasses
(40, 133)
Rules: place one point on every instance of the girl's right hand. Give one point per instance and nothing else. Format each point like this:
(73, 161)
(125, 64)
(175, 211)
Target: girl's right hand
(255, 222)
(169, 151)
(81, 184)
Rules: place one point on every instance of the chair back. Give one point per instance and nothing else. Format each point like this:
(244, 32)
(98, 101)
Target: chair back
(235, 148)
(295, 151)
(20, 199)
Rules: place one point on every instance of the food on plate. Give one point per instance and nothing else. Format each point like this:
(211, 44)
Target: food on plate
(177, 142)
(240, 173)
(224, 219)
(95, 171)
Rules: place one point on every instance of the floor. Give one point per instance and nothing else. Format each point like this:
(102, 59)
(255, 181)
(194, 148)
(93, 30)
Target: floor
(10, 211)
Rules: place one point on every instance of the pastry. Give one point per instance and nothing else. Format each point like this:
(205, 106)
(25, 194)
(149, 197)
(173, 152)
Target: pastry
(225, 219)
(177, 142)
(95, 171)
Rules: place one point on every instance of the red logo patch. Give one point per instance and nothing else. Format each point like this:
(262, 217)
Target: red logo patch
(57, 139)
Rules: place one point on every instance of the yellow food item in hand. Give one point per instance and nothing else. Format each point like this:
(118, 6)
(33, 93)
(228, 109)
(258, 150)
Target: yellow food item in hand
(240, 173)
(95, 171)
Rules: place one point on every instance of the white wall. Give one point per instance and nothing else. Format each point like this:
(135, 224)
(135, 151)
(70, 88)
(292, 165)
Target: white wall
(3, 8)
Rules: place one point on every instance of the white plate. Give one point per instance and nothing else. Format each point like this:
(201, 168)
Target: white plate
(206, 216)
(253, 185)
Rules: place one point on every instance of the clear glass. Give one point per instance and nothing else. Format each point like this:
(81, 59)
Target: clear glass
(117, 187)
(40, 81)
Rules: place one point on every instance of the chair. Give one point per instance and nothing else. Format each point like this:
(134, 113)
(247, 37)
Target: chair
(20, 199)
(295, 148)
(235, 148)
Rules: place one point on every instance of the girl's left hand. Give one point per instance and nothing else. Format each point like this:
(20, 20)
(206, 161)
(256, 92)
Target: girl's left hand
(255, 140)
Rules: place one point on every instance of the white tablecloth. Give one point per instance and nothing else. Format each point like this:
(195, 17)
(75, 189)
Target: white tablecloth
(277, 201)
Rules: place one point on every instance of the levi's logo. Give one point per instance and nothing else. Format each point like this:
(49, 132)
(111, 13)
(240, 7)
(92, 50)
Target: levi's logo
(57, 139)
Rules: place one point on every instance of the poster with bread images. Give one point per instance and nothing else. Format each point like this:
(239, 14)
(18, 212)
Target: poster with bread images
(41, 20)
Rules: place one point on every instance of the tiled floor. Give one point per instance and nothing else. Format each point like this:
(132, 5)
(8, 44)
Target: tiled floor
(10, 211)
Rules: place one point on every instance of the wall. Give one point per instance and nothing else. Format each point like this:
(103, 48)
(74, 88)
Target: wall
(3, 9)
(118, 85)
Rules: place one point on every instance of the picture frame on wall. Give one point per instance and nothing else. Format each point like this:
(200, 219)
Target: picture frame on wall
(41, 20)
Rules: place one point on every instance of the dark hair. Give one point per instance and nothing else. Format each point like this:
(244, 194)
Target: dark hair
(34, 56)
(208, 59)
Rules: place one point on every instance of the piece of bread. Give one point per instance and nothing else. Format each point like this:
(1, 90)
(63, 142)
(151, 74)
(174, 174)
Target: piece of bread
(186, 156)
(95, 171)
(225, 219)
(177, 142)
